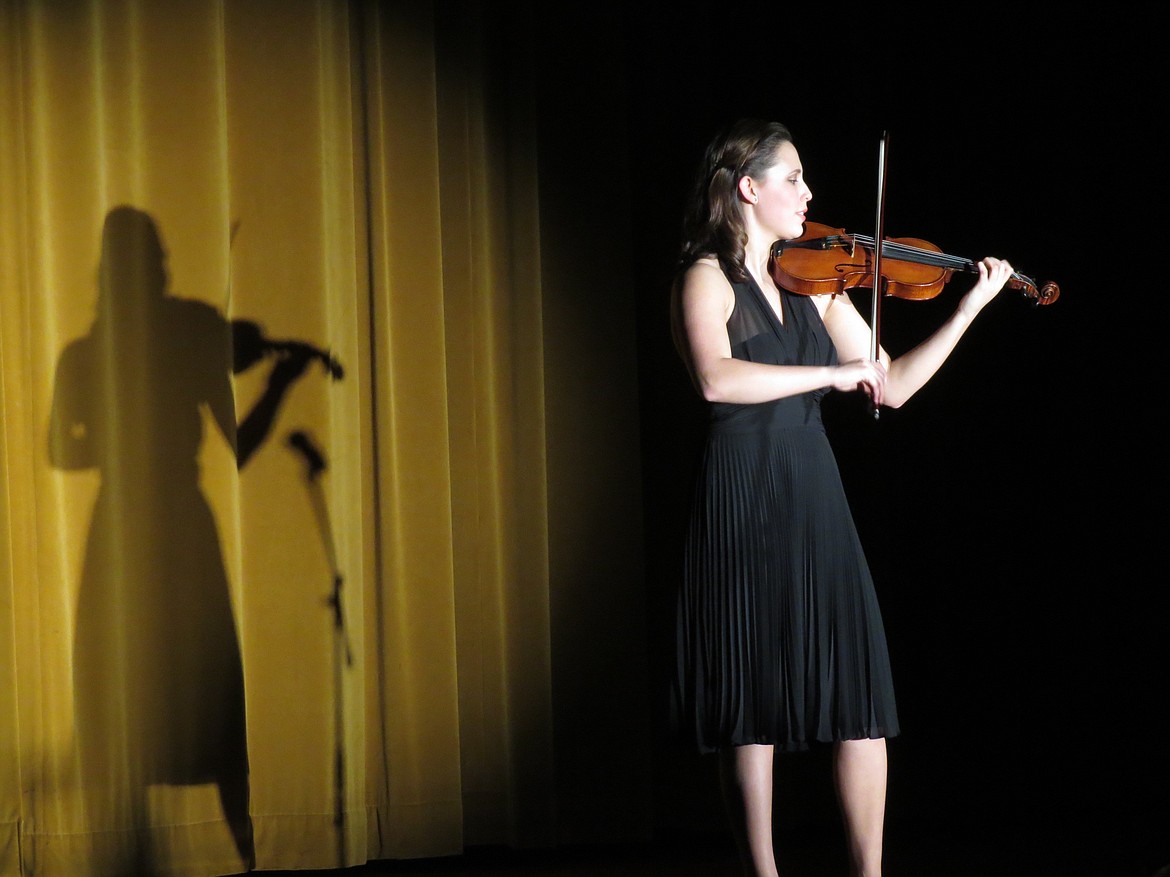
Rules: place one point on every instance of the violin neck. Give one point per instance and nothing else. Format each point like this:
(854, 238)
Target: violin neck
(918, 255)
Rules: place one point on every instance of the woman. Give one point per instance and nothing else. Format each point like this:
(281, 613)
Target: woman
(780, 636)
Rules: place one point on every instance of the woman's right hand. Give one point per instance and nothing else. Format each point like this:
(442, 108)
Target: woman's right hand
(861, 374)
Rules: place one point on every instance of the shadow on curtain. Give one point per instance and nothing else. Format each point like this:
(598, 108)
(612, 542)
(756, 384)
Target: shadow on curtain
(191, 689)
(158, 680)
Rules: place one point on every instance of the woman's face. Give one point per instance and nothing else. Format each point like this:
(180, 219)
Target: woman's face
(782, 195)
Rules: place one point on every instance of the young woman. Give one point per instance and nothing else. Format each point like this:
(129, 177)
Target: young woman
(781, 643)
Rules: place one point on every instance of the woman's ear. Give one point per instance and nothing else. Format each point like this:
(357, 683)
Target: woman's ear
(747, 190)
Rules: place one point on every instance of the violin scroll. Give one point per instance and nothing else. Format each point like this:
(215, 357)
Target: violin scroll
(1042, 295)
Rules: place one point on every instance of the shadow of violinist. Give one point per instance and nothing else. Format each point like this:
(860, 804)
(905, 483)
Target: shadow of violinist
(158, 677)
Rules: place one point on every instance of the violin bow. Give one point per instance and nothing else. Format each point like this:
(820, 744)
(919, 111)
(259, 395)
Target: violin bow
(880, 222)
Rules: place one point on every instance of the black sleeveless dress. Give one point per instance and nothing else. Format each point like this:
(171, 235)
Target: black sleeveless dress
(779, 634)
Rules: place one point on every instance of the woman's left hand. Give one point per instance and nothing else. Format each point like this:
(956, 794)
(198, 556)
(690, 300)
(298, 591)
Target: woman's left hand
(993, 274)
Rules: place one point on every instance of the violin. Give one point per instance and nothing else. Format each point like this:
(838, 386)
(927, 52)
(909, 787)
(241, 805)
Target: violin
(826, 260)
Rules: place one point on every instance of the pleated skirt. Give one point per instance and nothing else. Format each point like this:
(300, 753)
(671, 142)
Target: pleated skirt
(779, 634)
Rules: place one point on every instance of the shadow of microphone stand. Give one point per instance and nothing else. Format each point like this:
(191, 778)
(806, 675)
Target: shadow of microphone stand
(342, 656)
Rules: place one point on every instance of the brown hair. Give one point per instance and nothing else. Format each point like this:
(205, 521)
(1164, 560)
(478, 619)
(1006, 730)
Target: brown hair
(713, 223)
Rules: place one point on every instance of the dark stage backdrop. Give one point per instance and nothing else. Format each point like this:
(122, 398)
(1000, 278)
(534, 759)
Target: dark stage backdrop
(1012, 511)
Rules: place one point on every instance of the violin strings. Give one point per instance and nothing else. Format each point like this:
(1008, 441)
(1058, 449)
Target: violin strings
(918, 254)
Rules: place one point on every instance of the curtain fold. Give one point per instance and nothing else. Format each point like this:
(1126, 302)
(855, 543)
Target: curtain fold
(491, 268)
(274, 579)
(416, 662)
(13, 525)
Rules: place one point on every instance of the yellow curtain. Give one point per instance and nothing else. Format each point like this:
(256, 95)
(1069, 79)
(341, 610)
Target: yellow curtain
(274, 551)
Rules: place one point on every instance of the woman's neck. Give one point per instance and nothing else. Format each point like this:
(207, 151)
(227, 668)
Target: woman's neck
(756, 259)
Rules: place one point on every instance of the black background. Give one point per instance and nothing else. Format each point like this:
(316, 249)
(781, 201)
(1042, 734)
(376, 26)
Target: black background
(1013, 511)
